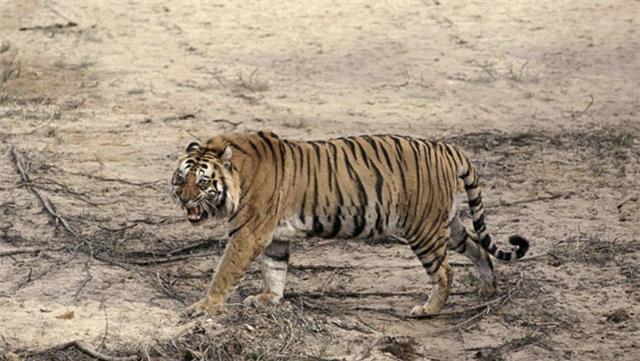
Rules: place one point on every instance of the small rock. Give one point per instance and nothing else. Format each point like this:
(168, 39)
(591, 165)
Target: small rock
(619, 315)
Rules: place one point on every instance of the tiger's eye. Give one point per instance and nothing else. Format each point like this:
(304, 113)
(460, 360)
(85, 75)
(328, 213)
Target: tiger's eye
(203, 183)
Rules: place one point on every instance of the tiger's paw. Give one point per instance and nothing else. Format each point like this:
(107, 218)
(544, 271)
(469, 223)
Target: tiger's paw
(423, 311)
(204, 307)
(262, 299)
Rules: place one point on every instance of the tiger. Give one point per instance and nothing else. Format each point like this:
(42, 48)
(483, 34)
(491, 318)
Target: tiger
(273, 191)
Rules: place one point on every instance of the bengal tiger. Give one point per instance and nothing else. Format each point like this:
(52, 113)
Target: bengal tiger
(273, 191)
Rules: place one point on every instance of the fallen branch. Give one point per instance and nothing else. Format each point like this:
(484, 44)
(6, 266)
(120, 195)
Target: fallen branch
(322, 267)
(352, 294)
(23, 250)
(195, 245)
(159, 260)
(235, 124)
(110, 179)
(56, 26)
(530, 200)
(578, 114)
(44, 201)
(80, 346)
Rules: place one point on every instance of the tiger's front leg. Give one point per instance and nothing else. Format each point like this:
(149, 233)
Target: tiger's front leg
(246, 244)
(274, 273)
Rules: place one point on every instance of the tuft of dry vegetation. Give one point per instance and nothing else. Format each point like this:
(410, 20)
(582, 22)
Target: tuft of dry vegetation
(253, 82)
(588, 249)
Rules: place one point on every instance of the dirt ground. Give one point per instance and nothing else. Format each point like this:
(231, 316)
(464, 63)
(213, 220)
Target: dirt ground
(98, 99)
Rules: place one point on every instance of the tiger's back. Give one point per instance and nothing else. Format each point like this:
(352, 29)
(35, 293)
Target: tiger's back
(365, 187)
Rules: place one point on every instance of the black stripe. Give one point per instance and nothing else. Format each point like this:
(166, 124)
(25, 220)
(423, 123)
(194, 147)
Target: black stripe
(386, 157)
(477, 224)
(337, 225)
(363, 153)
(302, 208)
(268, 141)
(471, 186)
(486, 242)
(314, 204)
(235, 146)
(360, 224)
(283, 158)
(475, 202)
(295, 162)
(330, 171)
(233, 231)
(255, 148)
(316, 149)
(434, 243)
(317, 227)
(373, 144)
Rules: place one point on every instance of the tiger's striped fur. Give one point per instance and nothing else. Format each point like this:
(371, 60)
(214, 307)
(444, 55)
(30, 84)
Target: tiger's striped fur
(273, 191)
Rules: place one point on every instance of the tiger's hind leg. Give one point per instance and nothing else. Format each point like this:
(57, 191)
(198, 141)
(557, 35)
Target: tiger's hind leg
(432, 255)
(462, 242)
(275, 260)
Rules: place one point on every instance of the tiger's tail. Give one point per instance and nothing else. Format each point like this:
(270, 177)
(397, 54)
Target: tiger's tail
(470, 177)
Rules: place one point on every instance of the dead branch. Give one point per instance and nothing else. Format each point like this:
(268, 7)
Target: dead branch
(110, 179)
(122, 264)
(194, 245)
(533, 258)
(580, 113)
(159, 260)
(352, 294)
(235, 124)
(23, 250)
(44, 201)
(56, 26)
(80, 346)
(322, 267)
(531, 200)
(183, 116)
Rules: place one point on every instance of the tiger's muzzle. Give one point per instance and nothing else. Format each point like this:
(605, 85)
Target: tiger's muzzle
(196, 214)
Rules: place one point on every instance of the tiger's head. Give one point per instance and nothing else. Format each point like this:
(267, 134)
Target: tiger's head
(205, 183)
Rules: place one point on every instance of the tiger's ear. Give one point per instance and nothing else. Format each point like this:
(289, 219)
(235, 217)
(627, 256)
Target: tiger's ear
(226, 156)
(193, 146)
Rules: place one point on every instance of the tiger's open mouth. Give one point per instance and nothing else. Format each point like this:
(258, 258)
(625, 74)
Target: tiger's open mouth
(196, 214)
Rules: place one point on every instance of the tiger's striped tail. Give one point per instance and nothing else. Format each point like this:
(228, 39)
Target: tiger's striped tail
(474, 196)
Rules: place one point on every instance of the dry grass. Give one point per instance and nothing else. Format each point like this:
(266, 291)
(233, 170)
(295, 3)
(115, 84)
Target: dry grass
(9, 68)
(253, 82)
(610, 139)
(590, 250)
(244, 333)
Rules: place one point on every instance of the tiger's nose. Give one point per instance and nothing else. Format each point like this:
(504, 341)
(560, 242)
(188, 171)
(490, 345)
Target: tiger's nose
(184, 198)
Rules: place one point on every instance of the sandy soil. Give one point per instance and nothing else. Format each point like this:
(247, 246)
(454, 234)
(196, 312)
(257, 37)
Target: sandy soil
(98, 99)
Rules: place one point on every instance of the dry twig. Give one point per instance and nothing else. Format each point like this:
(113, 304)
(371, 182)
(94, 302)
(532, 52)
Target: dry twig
(80, 346)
